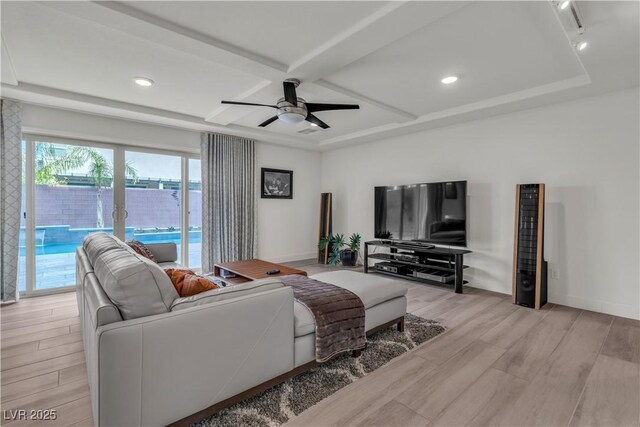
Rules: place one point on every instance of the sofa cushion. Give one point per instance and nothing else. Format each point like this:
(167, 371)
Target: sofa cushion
(371, 289)
(188, 283)
(100, 309)
(136, 285)
(232, 291)
(95, 244)
(303, 323)
(142, 249)
(164, 252)
(167, 265)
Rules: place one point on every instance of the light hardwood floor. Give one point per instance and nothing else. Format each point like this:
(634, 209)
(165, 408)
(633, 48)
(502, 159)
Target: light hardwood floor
(497, 364)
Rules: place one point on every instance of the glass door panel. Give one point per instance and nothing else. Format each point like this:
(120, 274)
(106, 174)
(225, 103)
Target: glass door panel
(153, 198)
(73, 196)
(195, 214)
(22, 259)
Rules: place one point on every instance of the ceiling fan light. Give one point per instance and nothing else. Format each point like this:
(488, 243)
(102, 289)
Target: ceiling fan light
(143, 81)
(582, 46)
(291, 118)
(449, 79)
(313, 124)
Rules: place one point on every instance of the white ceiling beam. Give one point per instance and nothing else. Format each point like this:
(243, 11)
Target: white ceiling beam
(386, 25)
(57, 98)
(472, 110)
(8, 72)
(164, 33)
(390, 23)
(404, 114)
(167, 34)
(223, 115)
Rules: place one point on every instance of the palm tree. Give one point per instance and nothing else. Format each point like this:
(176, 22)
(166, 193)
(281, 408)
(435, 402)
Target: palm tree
(50, 164)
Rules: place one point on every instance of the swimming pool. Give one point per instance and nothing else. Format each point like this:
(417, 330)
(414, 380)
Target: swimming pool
(66, 248)
(55, 264)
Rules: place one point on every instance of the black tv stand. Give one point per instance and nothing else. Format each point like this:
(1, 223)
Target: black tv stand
(418, 261)
(421, 244)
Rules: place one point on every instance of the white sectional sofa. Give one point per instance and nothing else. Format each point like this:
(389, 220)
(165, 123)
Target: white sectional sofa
(154, 358)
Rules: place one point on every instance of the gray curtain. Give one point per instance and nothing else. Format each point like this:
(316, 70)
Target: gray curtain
(228, 199)
(10, 197)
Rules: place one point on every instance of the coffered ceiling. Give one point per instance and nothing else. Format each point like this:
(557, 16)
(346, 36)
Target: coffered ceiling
(389, 57)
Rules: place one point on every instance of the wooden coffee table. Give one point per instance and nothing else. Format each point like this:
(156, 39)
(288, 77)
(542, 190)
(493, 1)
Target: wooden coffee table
(252, 269)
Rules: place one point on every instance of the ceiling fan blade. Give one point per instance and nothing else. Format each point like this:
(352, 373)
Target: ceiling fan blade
(313, 107)
(290, 93)
(248, 103)
(316, 121)
(268, 122)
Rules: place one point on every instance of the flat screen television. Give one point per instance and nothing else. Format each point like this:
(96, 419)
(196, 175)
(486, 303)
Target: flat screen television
(430, 212)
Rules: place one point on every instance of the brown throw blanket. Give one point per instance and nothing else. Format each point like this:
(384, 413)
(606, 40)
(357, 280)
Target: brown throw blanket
(339, 315)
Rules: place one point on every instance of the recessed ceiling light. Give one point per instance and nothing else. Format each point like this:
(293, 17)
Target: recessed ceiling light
(564, 4)
(143, 81)
(449, 80)
(582, 46)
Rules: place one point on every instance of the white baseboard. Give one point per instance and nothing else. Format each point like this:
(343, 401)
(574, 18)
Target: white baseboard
(616, 309)
(289, 258)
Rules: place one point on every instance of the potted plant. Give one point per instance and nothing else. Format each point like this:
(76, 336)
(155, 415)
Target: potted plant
(349, 256)
(334, 244)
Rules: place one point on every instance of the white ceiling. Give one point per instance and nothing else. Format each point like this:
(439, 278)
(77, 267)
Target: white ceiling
(388, 57)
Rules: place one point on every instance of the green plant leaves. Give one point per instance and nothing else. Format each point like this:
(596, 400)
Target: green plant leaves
(354, 242)
(334, 243)
(334, 257)
(324, 242)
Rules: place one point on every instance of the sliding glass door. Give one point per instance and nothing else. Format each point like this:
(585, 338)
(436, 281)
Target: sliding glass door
(195, 214)
(73, 188)
(153, 198)
(67, 194)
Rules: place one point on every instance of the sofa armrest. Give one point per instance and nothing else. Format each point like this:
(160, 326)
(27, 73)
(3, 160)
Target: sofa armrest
(159, 369)
(164, 252)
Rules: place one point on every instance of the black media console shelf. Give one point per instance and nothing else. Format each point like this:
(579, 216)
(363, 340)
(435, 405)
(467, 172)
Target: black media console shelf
(415, 261)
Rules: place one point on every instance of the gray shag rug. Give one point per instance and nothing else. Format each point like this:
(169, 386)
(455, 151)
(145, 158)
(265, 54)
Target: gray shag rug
(276, 405)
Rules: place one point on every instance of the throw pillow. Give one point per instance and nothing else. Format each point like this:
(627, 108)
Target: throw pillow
(142, 249)
(188, 283)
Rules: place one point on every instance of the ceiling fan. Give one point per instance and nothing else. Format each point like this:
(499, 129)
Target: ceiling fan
(292, 109)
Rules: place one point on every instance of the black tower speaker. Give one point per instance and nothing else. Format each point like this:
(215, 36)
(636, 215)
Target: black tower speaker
(529, 266)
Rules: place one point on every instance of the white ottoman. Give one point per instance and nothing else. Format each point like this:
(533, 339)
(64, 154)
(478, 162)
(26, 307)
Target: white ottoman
(385, 304)
(384, 299)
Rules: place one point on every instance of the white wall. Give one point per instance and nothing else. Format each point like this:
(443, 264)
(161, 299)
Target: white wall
(286, 228)
(585, 151)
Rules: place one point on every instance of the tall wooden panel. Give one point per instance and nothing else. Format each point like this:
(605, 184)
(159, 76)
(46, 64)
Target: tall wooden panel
(324, 228)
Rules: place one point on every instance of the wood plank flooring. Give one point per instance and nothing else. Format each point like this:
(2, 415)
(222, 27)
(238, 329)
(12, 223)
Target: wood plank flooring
(497, 364)
(42, 365)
